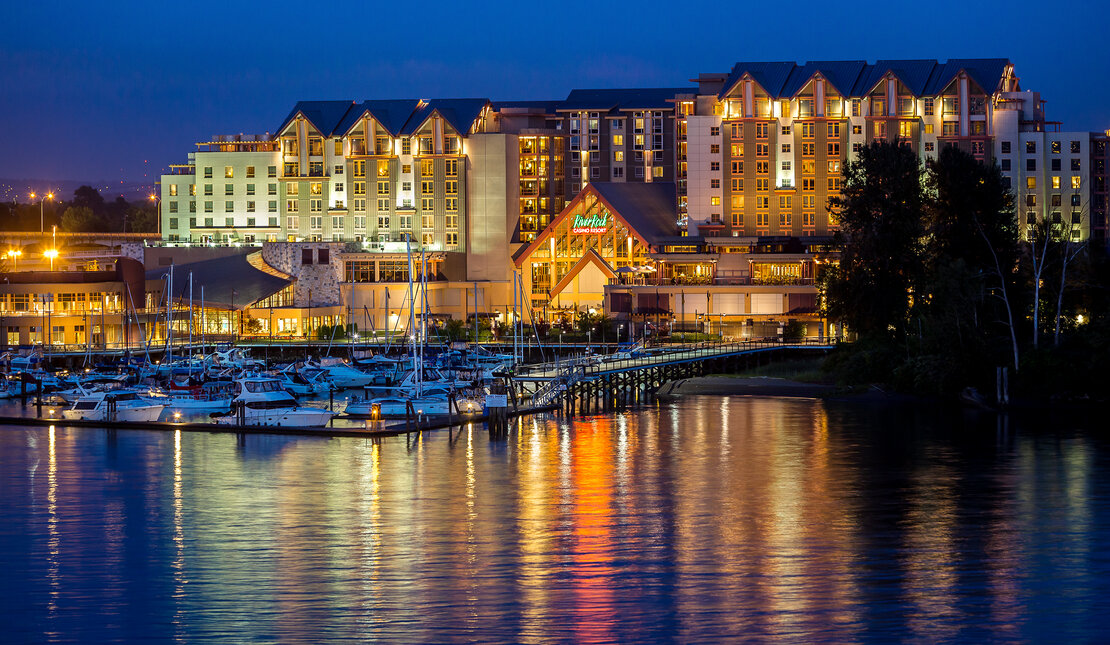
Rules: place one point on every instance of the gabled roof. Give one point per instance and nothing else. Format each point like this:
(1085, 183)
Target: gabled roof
(985, 72)
(914, 74)
(229, 281)
(608, 100)
(391, 114)
(841, 75)
(324, 115)
(770, 76)
(548, 107)
(460, 113)
(649, 210)
(591, 256)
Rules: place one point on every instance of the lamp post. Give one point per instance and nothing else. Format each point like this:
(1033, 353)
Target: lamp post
(157, 213)
(51, 254)
(42, 213)
(14, 254)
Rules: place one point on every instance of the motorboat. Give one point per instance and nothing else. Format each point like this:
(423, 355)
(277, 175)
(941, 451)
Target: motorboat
(432, 401)
(263, 401)
(120, 405)
(304, 382)
(340, 373)
(210, 396)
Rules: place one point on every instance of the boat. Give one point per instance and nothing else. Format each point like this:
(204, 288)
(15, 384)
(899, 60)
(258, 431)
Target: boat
(211, 396)
(340, 373)
(304, 382)
(129, 406)
(432, 401)
(263, 401)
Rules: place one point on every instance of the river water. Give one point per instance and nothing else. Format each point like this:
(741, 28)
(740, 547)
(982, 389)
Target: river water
(710, 519)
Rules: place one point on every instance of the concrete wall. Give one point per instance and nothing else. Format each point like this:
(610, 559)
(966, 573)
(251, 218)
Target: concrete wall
(493, 205)
(320, 282)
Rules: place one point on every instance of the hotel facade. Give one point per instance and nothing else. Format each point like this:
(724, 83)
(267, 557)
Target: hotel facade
(703, 206)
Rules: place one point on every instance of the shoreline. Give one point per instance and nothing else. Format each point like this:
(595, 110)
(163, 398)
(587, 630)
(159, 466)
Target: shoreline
(743, 386)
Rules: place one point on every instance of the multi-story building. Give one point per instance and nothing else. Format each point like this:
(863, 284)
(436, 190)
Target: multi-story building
(620, 135)
(1100, 185)
(761, 149)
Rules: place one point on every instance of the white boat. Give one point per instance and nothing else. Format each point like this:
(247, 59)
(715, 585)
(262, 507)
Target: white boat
(213, 396)
(304, 382)
(266, 403)
(128, 407)
(342, 374)
(433, 401)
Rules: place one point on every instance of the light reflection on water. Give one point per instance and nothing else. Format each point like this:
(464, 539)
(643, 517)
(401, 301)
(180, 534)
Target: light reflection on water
(710, 519)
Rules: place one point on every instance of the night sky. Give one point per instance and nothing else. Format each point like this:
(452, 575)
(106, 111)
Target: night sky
(116, 91)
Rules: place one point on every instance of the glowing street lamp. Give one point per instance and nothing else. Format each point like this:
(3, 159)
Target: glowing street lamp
(14, 254)
(157, 215)
(50, 253)
(42, 216)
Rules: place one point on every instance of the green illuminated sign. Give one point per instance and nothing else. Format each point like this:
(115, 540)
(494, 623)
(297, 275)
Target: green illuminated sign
(597, 223)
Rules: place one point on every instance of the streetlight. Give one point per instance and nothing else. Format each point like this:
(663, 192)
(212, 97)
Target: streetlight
(14, 254)
(50, 253)
(42, 216)
(157, 215)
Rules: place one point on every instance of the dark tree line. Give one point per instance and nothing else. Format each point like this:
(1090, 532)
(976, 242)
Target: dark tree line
(939, 287)
(87, 211)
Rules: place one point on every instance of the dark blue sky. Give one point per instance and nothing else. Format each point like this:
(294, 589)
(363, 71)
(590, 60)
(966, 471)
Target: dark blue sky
(118, 90)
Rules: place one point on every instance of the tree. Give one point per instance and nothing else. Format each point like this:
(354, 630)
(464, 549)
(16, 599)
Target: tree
(81, 219)
(140, 220)
(454, 330)
(880, 216)
(970, 234)
(90, 198)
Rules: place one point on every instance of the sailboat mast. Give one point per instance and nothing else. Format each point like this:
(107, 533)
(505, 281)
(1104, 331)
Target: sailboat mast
(169, 318)
(190, 314)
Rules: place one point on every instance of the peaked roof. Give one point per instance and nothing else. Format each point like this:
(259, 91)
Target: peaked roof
(841, 74)
(649, 210)
(325, 115)
(986, 72)
(856, 78)
(460, 113)
(770, 76)
(391, 114)
(608, 100)
(914, 74)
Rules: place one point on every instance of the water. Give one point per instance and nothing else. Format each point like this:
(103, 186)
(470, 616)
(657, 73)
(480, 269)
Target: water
(716, 518)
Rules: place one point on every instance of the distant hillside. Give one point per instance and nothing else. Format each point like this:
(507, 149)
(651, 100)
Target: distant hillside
(19, 189)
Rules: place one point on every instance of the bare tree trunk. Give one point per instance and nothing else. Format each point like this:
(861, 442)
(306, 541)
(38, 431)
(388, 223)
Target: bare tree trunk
(1038, 269)
(1069, 255)
(1005, 296)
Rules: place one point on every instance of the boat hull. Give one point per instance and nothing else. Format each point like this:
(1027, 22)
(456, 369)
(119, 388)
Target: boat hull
(136, 413)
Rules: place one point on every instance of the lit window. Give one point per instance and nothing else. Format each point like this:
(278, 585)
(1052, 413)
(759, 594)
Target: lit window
(1075, 182)
(1031, 183)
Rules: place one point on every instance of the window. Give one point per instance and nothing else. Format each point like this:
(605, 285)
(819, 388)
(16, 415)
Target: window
(173, 207)
(208, 207)
(271, 206)
(173, 222)
(715, 166)
(834, 150)
(856, 107)
(927, 107)
(786, 166)
(657, 171)
(1031, 183)
(1005, 147)
(229, 189)
(1031, 165)
(208, 172)
(715, 149)
(452, 238)
(714, 131)
(857, 146)
(1005, 165)
(291, 206)
(338, 170)
(978, 147)
(316, 222)
(857, 129)
(250, 207)
(208, 190)
(271, 171)
(1030, 147)
(1076, 182)
(928, 128)
(809, 130)
(834, 130)
(1075, 147)
(1054, 201)
(1075, 164)
(1055, 165)
(761, 130)
(315, 205)
(208, 222)
(1056, 147)
(595, 172)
